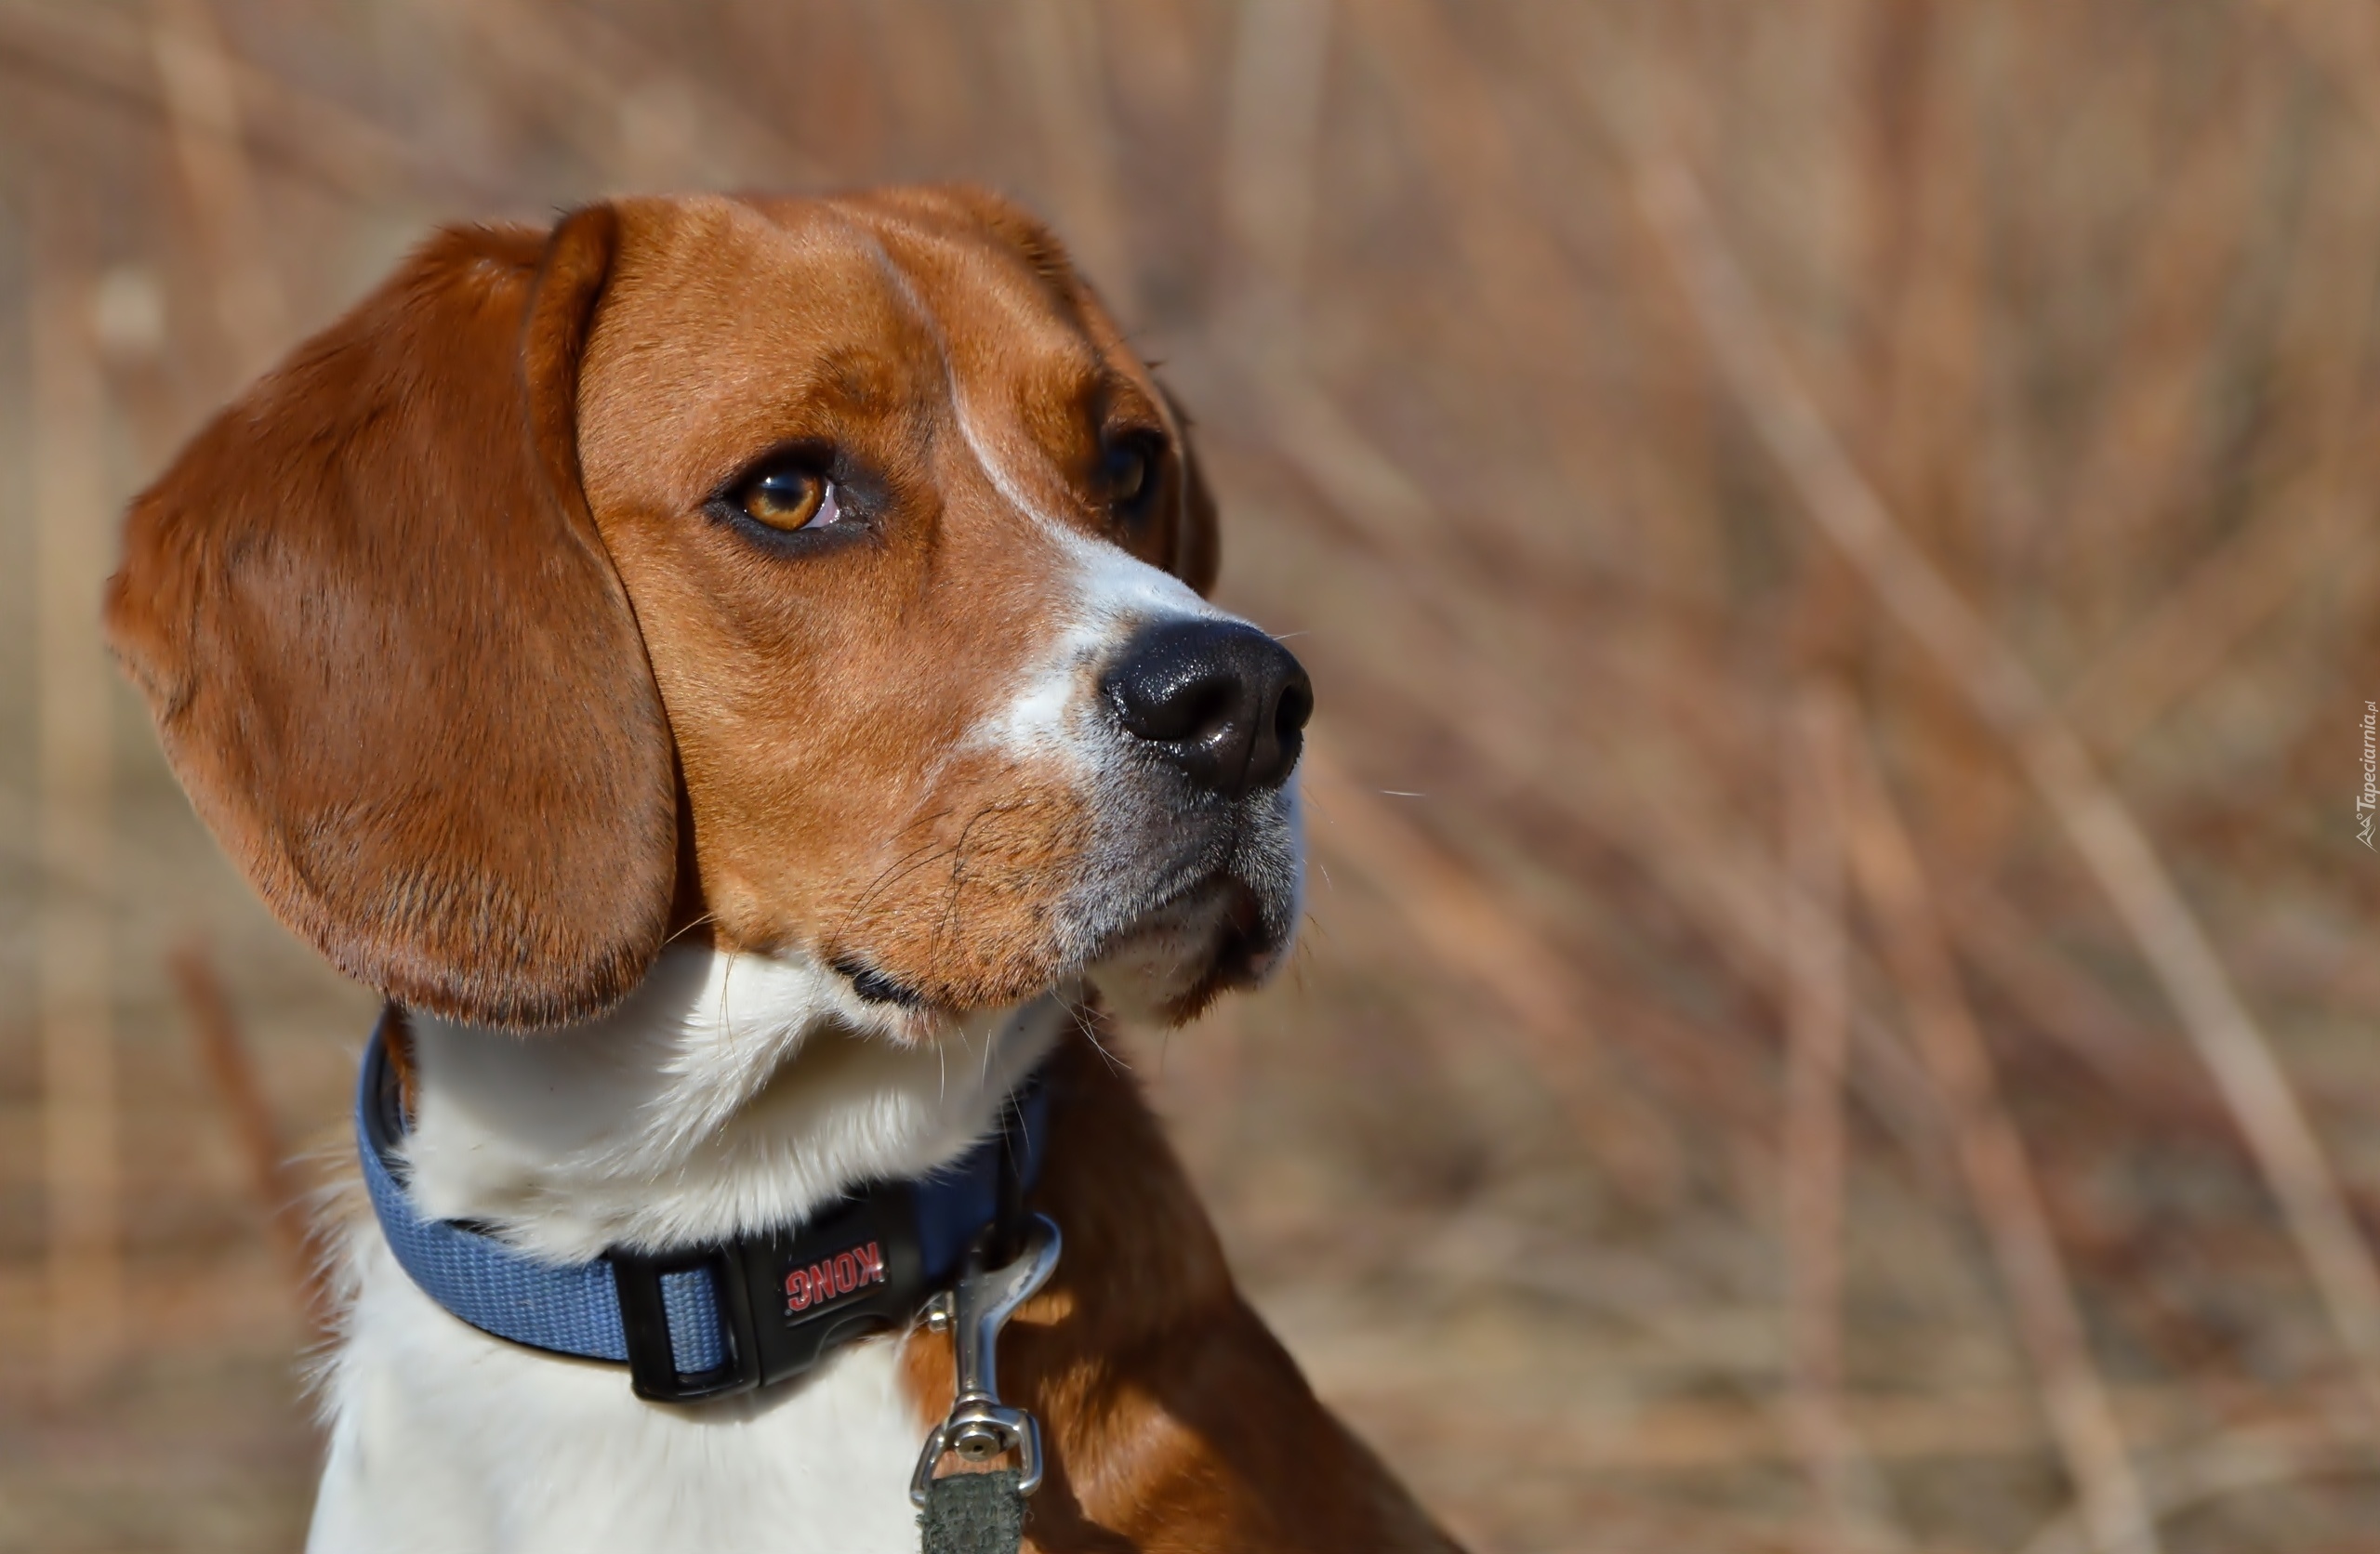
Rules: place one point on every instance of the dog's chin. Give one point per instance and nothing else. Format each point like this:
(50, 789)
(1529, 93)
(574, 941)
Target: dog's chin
(1172, 962)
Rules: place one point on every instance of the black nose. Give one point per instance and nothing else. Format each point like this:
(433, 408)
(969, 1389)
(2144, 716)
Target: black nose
(1222, 700)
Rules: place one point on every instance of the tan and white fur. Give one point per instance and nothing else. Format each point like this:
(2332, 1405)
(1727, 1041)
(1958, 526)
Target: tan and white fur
(721, 865)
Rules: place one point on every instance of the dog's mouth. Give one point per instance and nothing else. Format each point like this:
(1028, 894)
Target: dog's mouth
(875, 987)
(1168, 963)
(1174, 959)
(1166, 907)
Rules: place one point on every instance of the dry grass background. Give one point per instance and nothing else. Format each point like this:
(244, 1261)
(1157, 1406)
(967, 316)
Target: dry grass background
(1834, 542)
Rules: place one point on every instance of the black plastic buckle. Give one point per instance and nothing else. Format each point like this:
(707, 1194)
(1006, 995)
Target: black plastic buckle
(786, 1301)
(644, 1319)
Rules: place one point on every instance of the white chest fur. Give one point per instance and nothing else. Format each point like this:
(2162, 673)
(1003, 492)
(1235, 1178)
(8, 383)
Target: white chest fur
(730, 1093)
(446, 1441)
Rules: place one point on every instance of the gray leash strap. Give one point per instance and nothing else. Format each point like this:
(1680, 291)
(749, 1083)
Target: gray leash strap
(973, 1513)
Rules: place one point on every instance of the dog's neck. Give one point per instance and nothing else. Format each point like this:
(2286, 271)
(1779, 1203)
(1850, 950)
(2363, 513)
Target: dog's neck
(729, 1093)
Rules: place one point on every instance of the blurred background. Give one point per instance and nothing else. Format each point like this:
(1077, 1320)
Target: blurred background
(1834, 542)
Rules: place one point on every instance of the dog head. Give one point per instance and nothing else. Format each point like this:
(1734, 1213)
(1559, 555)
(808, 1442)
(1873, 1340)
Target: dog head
(824, 576)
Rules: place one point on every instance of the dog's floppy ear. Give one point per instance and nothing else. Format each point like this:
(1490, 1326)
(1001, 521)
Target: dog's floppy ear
(388, 654)
(1196, 555)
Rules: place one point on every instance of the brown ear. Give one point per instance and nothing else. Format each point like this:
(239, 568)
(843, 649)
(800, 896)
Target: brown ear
(388, 654)
(1198, 554)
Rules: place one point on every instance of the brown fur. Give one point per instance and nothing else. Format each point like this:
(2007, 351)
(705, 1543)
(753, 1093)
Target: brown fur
(1174, 1421)
(833, 806)
(441, 640)
(391, 537)
(387, 655)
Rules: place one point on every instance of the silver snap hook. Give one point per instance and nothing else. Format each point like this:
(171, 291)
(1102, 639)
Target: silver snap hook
(980, 1427)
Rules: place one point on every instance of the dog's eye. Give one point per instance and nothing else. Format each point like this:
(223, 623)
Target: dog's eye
(1128, 471)
(787, 498)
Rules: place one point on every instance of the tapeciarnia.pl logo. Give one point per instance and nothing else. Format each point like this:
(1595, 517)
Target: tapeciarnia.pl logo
(2368, 802)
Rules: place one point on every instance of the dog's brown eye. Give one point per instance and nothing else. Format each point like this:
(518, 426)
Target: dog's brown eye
(789, 499)
(1128, 470)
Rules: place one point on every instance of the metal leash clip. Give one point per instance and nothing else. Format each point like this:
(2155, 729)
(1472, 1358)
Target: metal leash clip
(981, 1427)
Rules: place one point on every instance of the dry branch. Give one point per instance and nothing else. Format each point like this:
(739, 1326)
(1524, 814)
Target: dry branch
(1669, 826)
(2004, 692)
(2320, 354)
(2000, 1178)
(2238, 1462)
(2336, 42)
(1474, 934)
(2066, 1005)
(1273, 119)
(230, 1069)
(203, 107)
(2172, 347)
(1817, 1031)
(2180, 644)
(95, 52)
(1059, 41)
(81, 1155)
(594, 76)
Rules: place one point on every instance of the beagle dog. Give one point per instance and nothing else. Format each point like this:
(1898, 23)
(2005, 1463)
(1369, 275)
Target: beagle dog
(733, 674)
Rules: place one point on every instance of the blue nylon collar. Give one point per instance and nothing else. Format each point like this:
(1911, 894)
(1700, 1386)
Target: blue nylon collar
(729, 1316)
